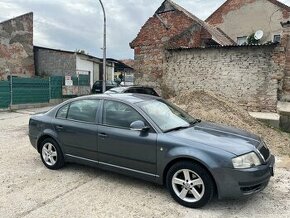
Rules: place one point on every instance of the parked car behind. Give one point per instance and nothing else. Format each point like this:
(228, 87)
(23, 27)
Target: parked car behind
(98, 86)
(133, 89)
(148, 138)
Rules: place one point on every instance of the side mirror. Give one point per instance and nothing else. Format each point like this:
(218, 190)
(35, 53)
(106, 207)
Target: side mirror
(139, 125)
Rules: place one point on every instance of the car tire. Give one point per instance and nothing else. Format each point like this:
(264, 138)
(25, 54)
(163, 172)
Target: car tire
(51, 154)
(190, 184)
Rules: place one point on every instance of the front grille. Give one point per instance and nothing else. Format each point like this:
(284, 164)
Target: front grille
(264, 151)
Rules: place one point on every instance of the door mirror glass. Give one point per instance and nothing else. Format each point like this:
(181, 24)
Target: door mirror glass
(138, 125)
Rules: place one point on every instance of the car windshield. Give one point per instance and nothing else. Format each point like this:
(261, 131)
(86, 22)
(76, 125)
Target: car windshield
(166, 116)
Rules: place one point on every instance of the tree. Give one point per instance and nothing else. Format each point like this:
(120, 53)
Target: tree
(81, 51)
(251, 40)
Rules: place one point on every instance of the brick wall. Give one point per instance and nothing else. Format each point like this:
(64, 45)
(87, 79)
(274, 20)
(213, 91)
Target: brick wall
(16, 46)
(53, 62)
(149, 45)
(248, 75)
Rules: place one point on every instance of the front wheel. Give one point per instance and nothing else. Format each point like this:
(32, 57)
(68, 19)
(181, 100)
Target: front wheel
(190, 184)
(51, 154)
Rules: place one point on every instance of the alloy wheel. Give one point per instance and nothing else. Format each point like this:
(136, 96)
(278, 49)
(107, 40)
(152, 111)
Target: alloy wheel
(49, 154)
(188, 185)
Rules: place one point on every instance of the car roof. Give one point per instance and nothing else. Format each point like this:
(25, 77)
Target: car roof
(126, 97)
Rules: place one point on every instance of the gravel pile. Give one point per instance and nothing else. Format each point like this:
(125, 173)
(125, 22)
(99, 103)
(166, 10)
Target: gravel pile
(210, 107)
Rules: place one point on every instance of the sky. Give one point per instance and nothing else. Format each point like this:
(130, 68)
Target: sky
(78, 24)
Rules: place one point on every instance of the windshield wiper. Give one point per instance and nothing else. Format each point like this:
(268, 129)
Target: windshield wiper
(176, 128)
(195, 121)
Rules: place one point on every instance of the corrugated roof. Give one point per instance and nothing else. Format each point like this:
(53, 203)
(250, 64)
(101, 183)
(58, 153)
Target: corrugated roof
(74, 52)
(227, 46)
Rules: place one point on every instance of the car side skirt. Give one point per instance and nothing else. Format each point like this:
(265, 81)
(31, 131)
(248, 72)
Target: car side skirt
(114, 168)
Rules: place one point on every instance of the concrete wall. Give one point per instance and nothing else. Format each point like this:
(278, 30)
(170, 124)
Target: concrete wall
(96, 72)
(247, 75)
(16, 46)
(242, 18)
(110, 72)
(52, 62)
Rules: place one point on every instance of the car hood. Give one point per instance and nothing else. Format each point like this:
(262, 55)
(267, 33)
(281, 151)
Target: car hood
(230, 139)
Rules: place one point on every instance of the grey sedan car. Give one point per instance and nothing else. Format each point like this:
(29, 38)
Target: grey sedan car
(148, 138)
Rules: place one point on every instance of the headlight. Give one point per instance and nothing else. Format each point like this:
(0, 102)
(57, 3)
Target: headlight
(246, 161)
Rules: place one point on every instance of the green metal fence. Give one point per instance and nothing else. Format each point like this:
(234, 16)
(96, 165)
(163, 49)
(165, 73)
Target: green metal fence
(56, 83)
(35, 90)
(4, 94)
(27, 91)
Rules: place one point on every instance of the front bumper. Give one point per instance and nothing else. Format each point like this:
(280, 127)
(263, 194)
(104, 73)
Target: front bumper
(233, 183)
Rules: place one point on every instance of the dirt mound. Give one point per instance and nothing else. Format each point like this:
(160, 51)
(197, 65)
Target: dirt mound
(210, 107)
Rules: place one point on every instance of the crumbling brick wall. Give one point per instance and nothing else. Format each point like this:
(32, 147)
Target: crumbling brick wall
(284, 59)
(149, 45)
(248, 75)
(16, 47)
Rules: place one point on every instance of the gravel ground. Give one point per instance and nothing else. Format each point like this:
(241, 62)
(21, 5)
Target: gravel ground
(28, 189)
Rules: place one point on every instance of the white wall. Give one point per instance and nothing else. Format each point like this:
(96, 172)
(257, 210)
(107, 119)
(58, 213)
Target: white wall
(85, 65)
(96, 72)
(110, 72)
(253, 16)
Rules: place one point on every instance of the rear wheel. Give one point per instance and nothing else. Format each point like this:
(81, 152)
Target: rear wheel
(51, 154)
(190, 184)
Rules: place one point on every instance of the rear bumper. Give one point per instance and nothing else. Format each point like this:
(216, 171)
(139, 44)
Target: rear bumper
(33, 141)
(234, 183)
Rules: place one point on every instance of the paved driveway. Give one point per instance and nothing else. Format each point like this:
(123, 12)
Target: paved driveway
(28, 189)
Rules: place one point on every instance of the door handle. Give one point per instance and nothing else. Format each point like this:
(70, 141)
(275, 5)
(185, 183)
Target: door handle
(59, 127)
(102, 135)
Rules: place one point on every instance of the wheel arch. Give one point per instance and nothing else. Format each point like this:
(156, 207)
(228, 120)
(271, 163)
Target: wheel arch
(188, 159)
(44, 137)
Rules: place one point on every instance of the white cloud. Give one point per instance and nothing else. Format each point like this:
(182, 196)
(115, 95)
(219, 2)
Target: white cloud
(10, 10)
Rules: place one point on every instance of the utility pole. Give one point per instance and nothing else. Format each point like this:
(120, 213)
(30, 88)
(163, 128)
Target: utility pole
(104, 49)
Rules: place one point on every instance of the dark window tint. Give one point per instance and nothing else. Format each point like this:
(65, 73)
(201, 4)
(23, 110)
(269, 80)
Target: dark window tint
(132, 90)
(62, 112)
(119, 114)
(149, 91)
(97, 83)
(83, 110)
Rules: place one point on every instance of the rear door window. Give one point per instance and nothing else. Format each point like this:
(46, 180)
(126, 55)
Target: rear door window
(83, 110)
(62, 112)
(150, 91)
(132, 90)
(147, 91)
